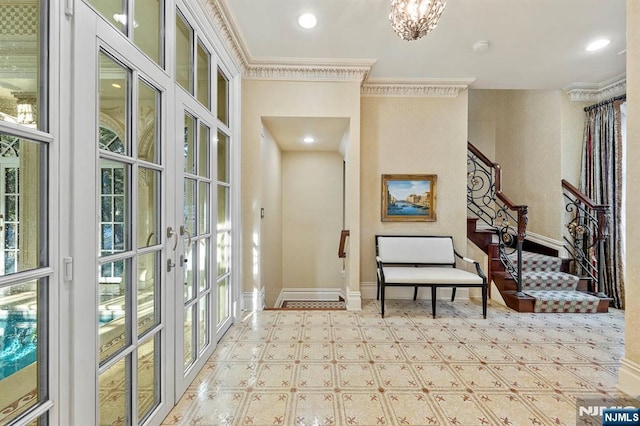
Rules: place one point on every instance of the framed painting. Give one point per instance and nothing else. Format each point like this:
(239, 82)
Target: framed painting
(409, 198)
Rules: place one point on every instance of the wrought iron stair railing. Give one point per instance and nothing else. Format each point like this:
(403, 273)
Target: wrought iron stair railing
(507, 219)
(588, 228)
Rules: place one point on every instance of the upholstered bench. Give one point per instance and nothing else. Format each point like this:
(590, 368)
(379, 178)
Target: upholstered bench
(424, 261)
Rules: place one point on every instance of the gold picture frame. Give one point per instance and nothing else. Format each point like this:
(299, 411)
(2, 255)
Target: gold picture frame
(409, 198)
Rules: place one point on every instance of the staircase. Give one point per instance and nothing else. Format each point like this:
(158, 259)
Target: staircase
(547, 286)
(531, 277)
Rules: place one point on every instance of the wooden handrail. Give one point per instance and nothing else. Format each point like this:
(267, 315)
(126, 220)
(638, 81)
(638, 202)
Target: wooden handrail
(343, 241)
(602, 211)
(498, 177)
(480, 155)
(580, 196)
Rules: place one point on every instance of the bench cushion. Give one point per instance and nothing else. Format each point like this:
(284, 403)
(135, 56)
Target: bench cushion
(429, 275)
(415, 250)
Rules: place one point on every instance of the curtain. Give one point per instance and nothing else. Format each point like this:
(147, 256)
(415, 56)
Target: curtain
(602, 180)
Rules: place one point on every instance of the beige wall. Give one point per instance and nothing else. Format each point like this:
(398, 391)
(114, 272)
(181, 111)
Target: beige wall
(413, 136)
(629, 378)
(572, 128)
(271, 224)
(528, 147)
(312, 219)
(483, 120)
(527, 131)
(296, 99)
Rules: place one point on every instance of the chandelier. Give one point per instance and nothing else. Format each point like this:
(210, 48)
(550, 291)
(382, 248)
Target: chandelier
(412, 19)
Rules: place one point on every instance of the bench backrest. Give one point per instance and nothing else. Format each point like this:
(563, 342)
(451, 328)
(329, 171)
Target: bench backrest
(415, 249)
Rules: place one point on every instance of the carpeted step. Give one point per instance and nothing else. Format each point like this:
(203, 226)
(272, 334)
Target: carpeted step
(537, 262)
(563, 301)
(539, 280)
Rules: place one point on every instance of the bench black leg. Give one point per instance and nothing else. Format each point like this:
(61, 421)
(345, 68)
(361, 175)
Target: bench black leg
(415, 293)
(433, 300)
(453, 294)
(484, 301)
(382, 298)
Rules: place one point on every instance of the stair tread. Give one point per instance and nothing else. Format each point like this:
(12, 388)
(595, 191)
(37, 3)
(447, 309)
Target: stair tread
(560, 295)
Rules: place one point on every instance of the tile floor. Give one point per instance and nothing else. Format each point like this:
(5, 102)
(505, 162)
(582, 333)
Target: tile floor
(343, 368)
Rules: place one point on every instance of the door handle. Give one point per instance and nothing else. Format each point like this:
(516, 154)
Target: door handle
(171, 233)
(184, 230)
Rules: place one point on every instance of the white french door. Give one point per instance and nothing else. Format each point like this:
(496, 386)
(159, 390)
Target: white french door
(195, 295)
(151, 228)
(122, 193)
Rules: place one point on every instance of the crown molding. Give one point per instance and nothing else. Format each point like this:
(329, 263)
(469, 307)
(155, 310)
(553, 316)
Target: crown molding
(584, 92)
(227, 29)
(281, 68)
(416, 88)
(303, 70)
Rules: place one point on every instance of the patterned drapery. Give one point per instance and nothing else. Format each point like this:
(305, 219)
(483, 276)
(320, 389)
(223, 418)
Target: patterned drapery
(602, 180)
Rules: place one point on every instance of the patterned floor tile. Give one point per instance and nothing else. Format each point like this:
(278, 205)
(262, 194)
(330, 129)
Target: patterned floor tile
(342, 368)
(411, 408)
(397, 376)
(363, 408)
(315, 408)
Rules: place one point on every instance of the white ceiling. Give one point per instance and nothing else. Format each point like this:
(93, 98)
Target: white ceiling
(534, 44)
(289, 132)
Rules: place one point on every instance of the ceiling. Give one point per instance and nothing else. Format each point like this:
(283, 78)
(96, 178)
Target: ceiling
(533, 44)
(289, 132)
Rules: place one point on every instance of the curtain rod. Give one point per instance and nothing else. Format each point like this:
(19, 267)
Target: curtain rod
(608, 101)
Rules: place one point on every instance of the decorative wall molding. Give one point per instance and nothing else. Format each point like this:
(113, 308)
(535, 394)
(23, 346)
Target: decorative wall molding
(422, 88)
(226, 28)
(582, 92)
(307, 72)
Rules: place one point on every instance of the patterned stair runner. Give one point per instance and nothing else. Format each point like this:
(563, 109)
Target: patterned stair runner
(554, 291)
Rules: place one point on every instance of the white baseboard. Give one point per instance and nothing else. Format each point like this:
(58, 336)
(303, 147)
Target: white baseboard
(330, 294)
(253, 300)
(369, 291)
(354, 301)
(629, 378)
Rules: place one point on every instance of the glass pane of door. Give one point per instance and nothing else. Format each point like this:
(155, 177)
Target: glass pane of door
(196, 233)
(23, 300)
(22, 43)
(184, 53)
(130, 244)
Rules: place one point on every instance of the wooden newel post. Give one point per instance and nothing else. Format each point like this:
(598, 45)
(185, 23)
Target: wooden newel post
(523, 219)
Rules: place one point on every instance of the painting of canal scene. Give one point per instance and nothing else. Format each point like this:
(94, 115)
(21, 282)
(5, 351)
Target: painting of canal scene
(408, 198)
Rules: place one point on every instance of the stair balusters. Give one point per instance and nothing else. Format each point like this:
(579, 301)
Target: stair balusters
(588, 229)
(486, 201)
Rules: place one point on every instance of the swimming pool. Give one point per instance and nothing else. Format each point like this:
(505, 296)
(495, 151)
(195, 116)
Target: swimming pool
(18, 343)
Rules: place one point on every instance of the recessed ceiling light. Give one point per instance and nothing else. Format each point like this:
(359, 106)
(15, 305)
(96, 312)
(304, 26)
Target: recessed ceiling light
(598, 44)
(307, 20)
(308, 139)
(116, 85)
